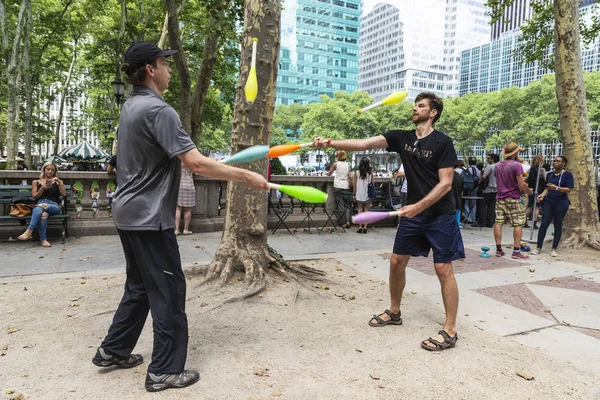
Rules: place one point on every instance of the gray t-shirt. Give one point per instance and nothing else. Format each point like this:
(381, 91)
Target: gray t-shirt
(151, 137)
(490, 173)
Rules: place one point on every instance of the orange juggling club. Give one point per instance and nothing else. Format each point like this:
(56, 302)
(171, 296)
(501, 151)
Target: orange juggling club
(283, 149)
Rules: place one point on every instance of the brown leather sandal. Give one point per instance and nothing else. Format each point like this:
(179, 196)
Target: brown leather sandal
(394, 319)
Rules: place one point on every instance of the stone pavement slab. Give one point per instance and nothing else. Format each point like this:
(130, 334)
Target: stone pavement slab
(566, 344)
(574, 307)
(494, 316)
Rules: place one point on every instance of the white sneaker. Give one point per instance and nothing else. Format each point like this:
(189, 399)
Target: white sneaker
(553, 253)
(535, 252)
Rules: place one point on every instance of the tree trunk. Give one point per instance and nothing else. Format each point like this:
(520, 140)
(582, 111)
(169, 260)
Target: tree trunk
(181, 63)
(163, 32)
(244, 240)
(581, 224)
(28, 89)
(209, 58)
(13, 65)
(63, 94)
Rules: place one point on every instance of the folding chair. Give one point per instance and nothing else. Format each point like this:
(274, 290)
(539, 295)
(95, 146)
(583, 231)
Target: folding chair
(281, 213)
(308, 209)
(330, 214)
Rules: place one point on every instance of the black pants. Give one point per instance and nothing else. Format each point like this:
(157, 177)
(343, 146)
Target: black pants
(343, 199)
(155, 282)
(486, 210)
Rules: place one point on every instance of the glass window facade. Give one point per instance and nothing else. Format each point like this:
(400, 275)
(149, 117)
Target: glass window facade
(319, 49)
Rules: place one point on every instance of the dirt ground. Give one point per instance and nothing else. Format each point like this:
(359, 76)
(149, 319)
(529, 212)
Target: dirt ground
(283, 344)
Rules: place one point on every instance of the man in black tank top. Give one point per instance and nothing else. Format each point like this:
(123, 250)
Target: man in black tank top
(428, 220)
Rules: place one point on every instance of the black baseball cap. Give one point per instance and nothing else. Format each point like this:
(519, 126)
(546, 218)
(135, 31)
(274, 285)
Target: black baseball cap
(141, 53)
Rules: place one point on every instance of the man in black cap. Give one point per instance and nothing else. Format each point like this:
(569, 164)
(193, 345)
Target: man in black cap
(152, 145)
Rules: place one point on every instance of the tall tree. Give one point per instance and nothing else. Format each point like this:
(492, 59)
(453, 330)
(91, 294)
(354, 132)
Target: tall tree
(582, 226)
(13, 62)
(244, 240)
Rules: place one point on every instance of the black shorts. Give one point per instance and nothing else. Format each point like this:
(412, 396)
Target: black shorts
(417, 235)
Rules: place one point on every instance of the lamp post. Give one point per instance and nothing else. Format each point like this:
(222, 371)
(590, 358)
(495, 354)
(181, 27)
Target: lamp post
(118, 89)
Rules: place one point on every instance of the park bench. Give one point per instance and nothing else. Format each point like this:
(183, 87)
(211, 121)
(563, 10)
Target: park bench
(7, 192)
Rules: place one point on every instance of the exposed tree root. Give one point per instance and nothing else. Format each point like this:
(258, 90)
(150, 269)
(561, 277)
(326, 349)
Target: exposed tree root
(256, 261)
(579, 240)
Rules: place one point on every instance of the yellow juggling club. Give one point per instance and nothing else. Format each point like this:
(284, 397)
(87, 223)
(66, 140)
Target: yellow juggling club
(393, 98)
(251, 88)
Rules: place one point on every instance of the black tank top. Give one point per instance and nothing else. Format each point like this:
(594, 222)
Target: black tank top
(50, 194)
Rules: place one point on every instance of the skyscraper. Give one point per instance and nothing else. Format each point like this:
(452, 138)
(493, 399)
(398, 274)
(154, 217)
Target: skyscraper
(415, 45)
(513, 18)
(467, 25)
(319, 49)
(402, 49)
(497, 65)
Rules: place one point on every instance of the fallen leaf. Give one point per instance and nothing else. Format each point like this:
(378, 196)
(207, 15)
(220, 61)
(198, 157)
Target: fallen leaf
(380, 386)
(481, 320)
(352, 276)
(413, 292)
(525, 375)
(374, 377)
(74, 305)
(75, 298)
(276, 393)
(259, 371)
(554, 279)
(340, 294)
(466, 315)
(9, 391)
(13, 330)
(339, 269)
(352, 297)
(358, 350)
(203, 304)
(24, 289)
(2, 354)
(532, 270)
(29, 346)
(547, 310)
(4, 347)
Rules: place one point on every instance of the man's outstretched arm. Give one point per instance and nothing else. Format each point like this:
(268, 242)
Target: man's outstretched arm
(376, 142)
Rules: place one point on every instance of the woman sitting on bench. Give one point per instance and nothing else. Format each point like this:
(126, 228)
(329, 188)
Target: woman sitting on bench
(47, 190)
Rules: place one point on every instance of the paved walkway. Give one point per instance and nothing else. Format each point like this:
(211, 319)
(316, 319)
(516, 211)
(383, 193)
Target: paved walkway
(547, 304)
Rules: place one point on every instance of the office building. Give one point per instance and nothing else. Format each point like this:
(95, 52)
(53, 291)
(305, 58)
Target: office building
(467, 25)
(493, 66)
(319, 49)
(400, 51)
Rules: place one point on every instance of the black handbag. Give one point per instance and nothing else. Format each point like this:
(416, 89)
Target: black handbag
(371, 191)
(23, 200)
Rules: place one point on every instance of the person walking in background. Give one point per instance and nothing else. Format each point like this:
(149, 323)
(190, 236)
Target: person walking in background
(489, 193)
(362, 178)
(556, 203)
(534, 179)
(510, 183)
(457, 192)
(186, 200)
(341, 188)
(152, 146)
(470, 206)
(480, 203)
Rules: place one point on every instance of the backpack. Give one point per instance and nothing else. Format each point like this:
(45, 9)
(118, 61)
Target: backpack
(476, 176)
(468, 182)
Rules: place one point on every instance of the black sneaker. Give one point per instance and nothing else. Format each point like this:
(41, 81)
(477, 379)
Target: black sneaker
(158, 382)
(103, 359)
